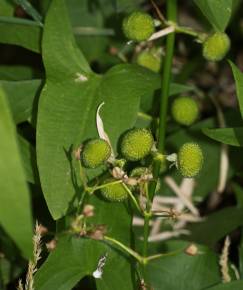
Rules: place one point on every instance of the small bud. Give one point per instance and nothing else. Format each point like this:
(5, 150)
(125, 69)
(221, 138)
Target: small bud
(43, 230)
(117, 173)
(51, 245)
(95, 153)
(88, 210)
(216, 46)
(139, 171)
(185, 110)
(190, 159)
(97, 233)
(114, 192)
(138, 26)
(191, 250)
(136, 144)
(149, 60)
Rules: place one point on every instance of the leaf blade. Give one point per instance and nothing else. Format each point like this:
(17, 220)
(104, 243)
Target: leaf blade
(24, 33)
(16, 217)
(218, 12)
(238, 76)
(229, 136)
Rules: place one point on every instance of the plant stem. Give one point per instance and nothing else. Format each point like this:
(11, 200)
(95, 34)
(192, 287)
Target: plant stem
(154, 257)
(82, 175)
(165, 86)
(166, 75)
(165, 89)
(145, 233)
(132, 198)
(125, 248)
(104, 185)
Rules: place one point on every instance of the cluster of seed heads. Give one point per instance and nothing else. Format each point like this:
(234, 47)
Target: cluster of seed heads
(136, 145)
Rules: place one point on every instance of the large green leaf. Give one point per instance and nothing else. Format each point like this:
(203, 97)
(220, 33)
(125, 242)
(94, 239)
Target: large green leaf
(69, 102)
(230, 136)
(232, 218)
(182, 271)
(15, 212)
(218, 12)
(75, 258)
(21, 97)
(238, 76)
(22, 32)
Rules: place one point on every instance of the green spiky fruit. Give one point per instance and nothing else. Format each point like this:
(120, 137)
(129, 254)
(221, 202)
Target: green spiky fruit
(114, 192)
(149, 60)
(139, 171)
(95, 153)
(136, 144)
(190, 159)
(216, 46)
(185, 110)
(138, 26)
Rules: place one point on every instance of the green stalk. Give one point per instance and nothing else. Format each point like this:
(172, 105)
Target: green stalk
(166, 75)
(165, 86)
(125, 248)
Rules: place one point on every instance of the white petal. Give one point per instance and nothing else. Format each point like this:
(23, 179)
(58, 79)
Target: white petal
(102, 133)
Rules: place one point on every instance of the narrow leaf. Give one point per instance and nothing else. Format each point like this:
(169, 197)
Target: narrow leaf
(235, 285)
(22, 98)
(21, 32)
(28, 157)
(233, 218)
(218, 12)
(15, 212)
(238, 76)
(229, 136)
(29, 9)
(6, 8)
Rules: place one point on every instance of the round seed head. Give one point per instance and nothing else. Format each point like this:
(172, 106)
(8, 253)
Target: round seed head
(216, 46)
(114, 192)
(149, 60)
(138, 26)
(138, 171)
(185, 110)
(136, 144)
(190, 159)
(95, 153)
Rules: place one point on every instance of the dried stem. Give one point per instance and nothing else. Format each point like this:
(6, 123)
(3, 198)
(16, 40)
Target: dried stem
(32, 266)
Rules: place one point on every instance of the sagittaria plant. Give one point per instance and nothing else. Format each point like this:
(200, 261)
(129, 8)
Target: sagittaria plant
(113, 143)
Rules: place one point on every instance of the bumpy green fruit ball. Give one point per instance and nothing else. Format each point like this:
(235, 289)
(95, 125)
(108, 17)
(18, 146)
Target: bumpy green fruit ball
(138, 26)
(95, 152)
(190, 159)
(185, 110)
(114, 192)
(149, 60)
(138, 171)
(136, 144)
(216, 46)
